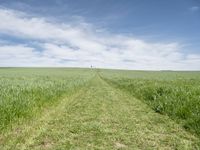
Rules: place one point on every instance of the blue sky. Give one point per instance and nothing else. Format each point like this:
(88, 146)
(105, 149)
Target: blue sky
(125, 34)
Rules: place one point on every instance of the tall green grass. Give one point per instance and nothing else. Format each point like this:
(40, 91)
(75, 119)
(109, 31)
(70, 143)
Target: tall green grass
(176, 94)
(25, 91)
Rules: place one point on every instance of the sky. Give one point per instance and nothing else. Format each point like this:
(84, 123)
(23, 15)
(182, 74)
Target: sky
(118, 34)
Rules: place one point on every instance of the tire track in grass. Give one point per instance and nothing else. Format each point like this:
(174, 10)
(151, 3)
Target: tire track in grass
(147, 129)
(21, 136)
(102, 117)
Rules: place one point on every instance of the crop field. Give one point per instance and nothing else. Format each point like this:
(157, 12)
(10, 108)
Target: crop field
(68, 108)
(24, 92)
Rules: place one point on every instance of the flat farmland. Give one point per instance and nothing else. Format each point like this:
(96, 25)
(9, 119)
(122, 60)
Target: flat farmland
(68, 108)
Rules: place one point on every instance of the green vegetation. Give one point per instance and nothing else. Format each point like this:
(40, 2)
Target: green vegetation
(24, 92)
(176, 94)
(98, 109)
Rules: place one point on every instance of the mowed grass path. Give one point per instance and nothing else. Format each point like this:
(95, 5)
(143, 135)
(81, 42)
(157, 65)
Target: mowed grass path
(99, 116)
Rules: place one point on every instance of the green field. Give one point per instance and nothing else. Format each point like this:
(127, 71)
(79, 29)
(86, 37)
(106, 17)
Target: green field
(66, 108)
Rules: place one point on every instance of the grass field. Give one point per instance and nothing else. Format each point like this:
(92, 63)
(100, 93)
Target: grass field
(51, 108)
(176, 94)
(24, 92)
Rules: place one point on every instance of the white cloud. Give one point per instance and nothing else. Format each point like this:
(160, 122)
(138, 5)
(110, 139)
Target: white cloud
(82, 46)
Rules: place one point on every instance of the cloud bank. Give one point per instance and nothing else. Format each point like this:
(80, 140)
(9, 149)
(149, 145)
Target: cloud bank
(51, 44)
